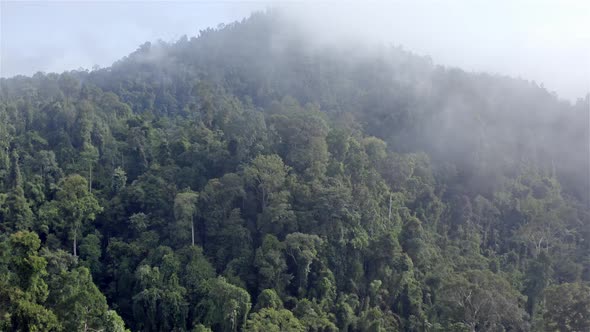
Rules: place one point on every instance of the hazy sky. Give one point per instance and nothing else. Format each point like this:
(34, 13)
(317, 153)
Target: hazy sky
(544, 41)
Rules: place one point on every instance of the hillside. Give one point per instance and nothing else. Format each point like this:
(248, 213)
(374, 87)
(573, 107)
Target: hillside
(253, 179)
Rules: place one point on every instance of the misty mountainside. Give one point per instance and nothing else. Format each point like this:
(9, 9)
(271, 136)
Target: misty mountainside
(261, 177)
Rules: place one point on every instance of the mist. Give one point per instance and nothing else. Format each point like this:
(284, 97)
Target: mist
(294, 166)
(542, 41)
(546, 42)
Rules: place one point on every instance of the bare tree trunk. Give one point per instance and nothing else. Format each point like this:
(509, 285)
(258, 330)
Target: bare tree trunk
(193, 229)
(389, 214)
(90, 178)
(75, 244)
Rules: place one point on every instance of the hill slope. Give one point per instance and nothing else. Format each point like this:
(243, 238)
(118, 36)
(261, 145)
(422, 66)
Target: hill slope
(252, 179)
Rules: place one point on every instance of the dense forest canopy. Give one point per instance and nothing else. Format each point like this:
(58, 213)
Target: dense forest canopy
(249, 179)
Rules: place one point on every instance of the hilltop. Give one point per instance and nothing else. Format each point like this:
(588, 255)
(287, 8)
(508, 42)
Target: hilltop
(254, 178)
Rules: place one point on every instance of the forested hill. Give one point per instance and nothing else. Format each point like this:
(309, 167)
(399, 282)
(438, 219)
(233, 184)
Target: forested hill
(255, 178)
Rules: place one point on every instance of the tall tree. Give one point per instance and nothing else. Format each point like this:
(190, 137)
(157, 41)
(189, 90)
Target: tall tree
(77, 206)
(267, 175)
(19, 215)
(226, 307)
(185, 209)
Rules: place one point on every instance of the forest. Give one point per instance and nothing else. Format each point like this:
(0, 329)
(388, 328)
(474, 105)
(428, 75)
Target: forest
(247, 179)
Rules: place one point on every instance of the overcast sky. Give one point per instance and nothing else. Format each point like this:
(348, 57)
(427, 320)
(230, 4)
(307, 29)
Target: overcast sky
(544, 41)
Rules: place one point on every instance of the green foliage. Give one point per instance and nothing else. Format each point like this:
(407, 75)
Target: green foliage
(312, 317)
(23, 291)
(272, 265)
(113, 322)
(76, 205)
(27, 316)
(352, 193)
(481, 299)
(160, 300)
(79, 305)
(268, 298)
(567, 307)
(185, 208)
(226, 306)
(275, 320)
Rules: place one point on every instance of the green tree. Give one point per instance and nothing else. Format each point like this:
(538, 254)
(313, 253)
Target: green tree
(567, 308)
(226, 306)
(23, 291)
(267, 176)
(77, 206)
(303, 250)
(271, 264)
(196, 270)
(185, 209)
(19, 213)
(273, 320)
(113, 322)
(537, 278)
(160, 302)
(302, 136)
(76, 300)
(483, 300)
(268, 298)
(89, 156)
(312, 317)
(119, 180)
(90, 253)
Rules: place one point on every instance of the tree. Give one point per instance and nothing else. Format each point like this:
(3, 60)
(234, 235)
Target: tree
(271, 264)
(196, 270)
(19, 213)
(267, 175)
(400, 196)
(119, 180)
(113, 322)
(185, 208)
(28, 267)
(302, 249)
(537, 278)
(76, 300)
(224, 231)
(567, 308)
(226, 306)
(483, 301)
(268, 298)
(49, 169)
(90, 252)
(374, 319)
(273, 320)
(77, 206)
(412, 239)
(302, 136)
(160, 301)
(542, 207)
(23, 291)
(89, 156)
(312, 317)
